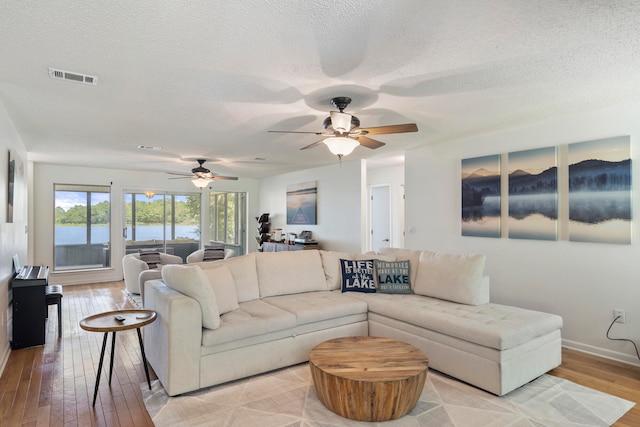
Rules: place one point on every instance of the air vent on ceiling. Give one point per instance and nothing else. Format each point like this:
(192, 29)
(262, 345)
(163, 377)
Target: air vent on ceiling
(56, 73)
(149, 147)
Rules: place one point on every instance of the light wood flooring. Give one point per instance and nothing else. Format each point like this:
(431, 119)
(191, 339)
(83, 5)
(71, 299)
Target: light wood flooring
(52, 385)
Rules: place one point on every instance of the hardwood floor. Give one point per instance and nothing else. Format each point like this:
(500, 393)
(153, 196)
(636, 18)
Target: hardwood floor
(616, 378)
(52, 385)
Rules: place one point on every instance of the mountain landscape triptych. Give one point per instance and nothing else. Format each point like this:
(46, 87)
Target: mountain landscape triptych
(589, 201)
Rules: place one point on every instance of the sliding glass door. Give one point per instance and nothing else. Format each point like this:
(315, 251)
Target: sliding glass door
(168, 222)
(227, 220)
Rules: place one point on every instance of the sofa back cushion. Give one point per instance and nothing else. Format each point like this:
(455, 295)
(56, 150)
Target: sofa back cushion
(290, 272)
(331, 266)
(453, 277)
(224, 287)
(191, 281)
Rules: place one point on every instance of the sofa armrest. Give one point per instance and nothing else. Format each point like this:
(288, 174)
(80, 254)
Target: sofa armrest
(172, 343)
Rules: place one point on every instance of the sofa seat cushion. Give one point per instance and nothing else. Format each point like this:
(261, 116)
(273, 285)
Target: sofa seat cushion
(314, 307)
(492, 325)
(251, 319)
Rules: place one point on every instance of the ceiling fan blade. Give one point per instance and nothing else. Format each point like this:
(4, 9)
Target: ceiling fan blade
(233, 178)
(186, 175)
(380, 130)
(369, 143)
(315, 144)
(294, 131)
(183, 177)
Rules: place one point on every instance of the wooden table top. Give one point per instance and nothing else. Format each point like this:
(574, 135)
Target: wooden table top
(106, 322)
(369, 359)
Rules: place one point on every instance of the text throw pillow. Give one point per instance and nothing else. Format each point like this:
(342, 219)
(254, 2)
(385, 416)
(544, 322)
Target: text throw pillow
(393, 277)
(357, 276)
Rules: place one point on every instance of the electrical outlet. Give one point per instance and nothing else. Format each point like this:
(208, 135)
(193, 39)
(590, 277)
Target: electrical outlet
(619, 315)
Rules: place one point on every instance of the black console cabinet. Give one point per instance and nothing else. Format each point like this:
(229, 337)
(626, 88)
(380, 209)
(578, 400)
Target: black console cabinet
(29, 307)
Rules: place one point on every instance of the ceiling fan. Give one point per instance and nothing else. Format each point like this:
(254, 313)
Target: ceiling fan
(201, 176)
(343, 132)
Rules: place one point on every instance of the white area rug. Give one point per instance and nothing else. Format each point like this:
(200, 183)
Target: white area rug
(288, 398)
(135, 299)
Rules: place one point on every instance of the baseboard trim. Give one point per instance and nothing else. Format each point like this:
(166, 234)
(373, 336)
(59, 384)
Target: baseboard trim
(602, 352)
(4, 359)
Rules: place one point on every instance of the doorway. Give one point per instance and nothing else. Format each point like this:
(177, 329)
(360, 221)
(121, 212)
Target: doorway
(380, 217)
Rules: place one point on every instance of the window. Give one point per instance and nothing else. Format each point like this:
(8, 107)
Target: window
(227, 216)
(167, 222)
(82, 226)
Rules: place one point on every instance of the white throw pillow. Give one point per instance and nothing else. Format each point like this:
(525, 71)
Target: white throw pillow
(224, 287)
(453, 277)
(191, 281)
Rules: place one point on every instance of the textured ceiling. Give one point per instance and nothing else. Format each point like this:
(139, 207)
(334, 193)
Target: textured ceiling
(209, 79)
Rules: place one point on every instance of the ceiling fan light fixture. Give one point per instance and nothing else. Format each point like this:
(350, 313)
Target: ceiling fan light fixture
(201, 182)
(341, 122)
(341, 146)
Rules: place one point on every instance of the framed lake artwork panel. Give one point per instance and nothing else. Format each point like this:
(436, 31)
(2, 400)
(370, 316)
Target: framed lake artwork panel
(480, 177)
(533, 194)
(302, 203)
(600, 191)
(15, 180)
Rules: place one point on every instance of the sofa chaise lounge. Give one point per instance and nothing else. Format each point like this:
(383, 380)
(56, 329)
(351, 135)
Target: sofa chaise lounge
(250, 314)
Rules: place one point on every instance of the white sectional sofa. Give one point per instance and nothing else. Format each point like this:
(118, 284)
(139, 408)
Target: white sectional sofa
(246, 315)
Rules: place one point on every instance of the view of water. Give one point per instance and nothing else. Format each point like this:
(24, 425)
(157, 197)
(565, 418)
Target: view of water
(66, 235)
(599, 216)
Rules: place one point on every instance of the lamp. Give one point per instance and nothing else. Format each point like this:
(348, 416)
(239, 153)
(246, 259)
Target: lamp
(341, 146)
(201, 182)
(149, 194)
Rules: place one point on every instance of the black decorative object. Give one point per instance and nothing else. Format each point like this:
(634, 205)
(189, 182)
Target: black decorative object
(264, 227)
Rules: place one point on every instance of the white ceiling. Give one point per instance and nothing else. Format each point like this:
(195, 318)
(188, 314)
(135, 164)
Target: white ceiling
(210, 78)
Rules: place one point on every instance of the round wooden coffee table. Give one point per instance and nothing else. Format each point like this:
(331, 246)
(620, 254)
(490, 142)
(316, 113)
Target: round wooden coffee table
(107, 322)
(368, 378)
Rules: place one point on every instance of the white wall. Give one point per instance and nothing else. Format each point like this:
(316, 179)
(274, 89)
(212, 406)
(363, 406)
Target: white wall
(13, 236)
(41, 221)
(340, 221)
(393, 176)
(582, 282)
